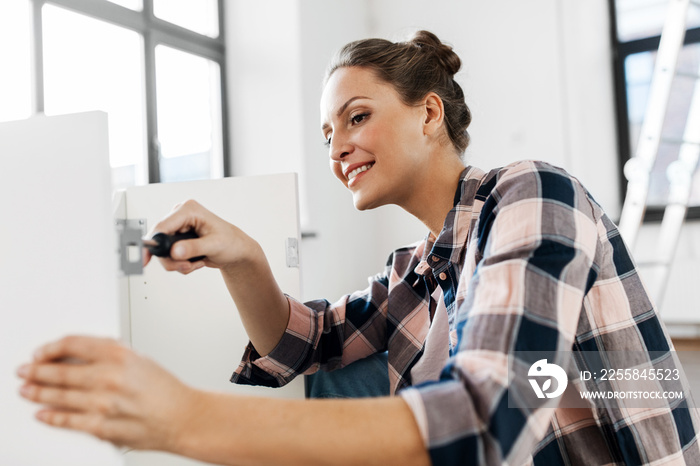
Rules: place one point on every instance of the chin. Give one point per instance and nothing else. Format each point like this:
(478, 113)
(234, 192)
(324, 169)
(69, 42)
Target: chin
(365, 202)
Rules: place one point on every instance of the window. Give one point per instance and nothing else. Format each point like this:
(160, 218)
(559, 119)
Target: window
(637, 33)
(156, 67)
(133, 4)
(200, 15)
(105, 73)
(188, 105)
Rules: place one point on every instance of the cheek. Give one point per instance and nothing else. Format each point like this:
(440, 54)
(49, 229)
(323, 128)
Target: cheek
(371, 138)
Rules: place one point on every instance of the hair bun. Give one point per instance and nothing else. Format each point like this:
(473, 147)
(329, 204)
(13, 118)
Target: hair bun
(444, 53)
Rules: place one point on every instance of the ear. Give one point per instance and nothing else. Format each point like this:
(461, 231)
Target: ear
(434, 114)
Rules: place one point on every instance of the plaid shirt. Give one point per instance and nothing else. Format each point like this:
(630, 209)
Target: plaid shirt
(527, 261)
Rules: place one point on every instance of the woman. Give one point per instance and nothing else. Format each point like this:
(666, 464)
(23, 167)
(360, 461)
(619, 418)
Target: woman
(517, 260)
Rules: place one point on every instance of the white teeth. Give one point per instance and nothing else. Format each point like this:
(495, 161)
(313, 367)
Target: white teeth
(359, 170)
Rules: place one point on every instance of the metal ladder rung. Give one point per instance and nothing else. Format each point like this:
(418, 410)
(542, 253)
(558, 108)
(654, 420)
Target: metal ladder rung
(654, 264)
(679, 141)
(688, 74)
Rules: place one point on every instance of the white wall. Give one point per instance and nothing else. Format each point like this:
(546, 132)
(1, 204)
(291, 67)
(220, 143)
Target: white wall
(264, 79)
(537, 76)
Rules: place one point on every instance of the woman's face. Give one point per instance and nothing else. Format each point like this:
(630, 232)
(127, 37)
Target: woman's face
(376, 142)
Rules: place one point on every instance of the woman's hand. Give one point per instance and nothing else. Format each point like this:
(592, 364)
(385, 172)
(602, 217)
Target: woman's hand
(223, 244)
(101, 387)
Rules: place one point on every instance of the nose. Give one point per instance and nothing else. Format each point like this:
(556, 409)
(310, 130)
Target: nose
(340, 147)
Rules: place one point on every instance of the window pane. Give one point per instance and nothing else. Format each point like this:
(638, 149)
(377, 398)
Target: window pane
(638, 72)
(189, 116)
(637, 19)
(200, 16)
(15, 78)
(93, 65)
(133, 4)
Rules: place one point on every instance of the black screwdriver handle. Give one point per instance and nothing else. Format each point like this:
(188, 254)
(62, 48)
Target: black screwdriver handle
(165, 242)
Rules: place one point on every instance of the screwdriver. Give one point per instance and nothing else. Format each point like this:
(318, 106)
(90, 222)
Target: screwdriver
(160, 244)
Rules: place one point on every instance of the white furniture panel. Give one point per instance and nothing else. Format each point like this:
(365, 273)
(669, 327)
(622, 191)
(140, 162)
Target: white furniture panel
(58, 269)
(189, 324)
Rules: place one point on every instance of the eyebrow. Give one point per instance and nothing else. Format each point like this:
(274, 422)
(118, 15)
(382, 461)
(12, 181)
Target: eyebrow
(343, 107)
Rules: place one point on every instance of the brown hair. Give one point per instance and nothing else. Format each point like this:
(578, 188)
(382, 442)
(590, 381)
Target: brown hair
(416, 67)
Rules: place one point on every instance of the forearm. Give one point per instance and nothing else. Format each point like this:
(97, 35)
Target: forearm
(236, 430)
(263, 308)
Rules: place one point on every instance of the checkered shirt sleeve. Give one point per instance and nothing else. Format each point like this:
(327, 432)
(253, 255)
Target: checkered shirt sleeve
(322, 335)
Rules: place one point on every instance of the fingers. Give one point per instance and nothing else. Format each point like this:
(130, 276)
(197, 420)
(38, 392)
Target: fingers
(113, 394)
(51, 378)
(92, 423)
(219, 242)
(78, 347)
(89, 410)
(83, 396)
(186, 216)
(182, 266)
(118, 431)
(69, 420)
(104, 403)
(59, 398)
(184, 249)
(58, 374)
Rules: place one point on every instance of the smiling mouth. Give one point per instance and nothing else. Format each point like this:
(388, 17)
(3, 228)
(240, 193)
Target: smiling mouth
(359, 170)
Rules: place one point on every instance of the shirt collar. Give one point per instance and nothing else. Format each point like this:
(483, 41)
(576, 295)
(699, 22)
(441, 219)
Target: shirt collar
(451, 240)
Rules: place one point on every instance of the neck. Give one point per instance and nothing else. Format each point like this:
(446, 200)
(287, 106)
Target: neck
(433, 199)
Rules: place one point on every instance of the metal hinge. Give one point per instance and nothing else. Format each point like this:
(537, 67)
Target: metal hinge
(130, 234)
(292, 248)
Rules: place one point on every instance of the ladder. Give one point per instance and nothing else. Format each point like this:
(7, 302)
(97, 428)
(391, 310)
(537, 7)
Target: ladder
(638, 169)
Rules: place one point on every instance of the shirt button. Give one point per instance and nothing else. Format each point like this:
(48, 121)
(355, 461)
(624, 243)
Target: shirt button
(443, 276)
(436, 258)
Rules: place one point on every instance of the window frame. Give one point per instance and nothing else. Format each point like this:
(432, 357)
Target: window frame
(154, 31)
(621, 50)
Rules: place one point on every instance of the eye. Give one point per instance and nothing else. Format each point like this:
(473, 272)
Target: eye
(327, 142)
(357, 119)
